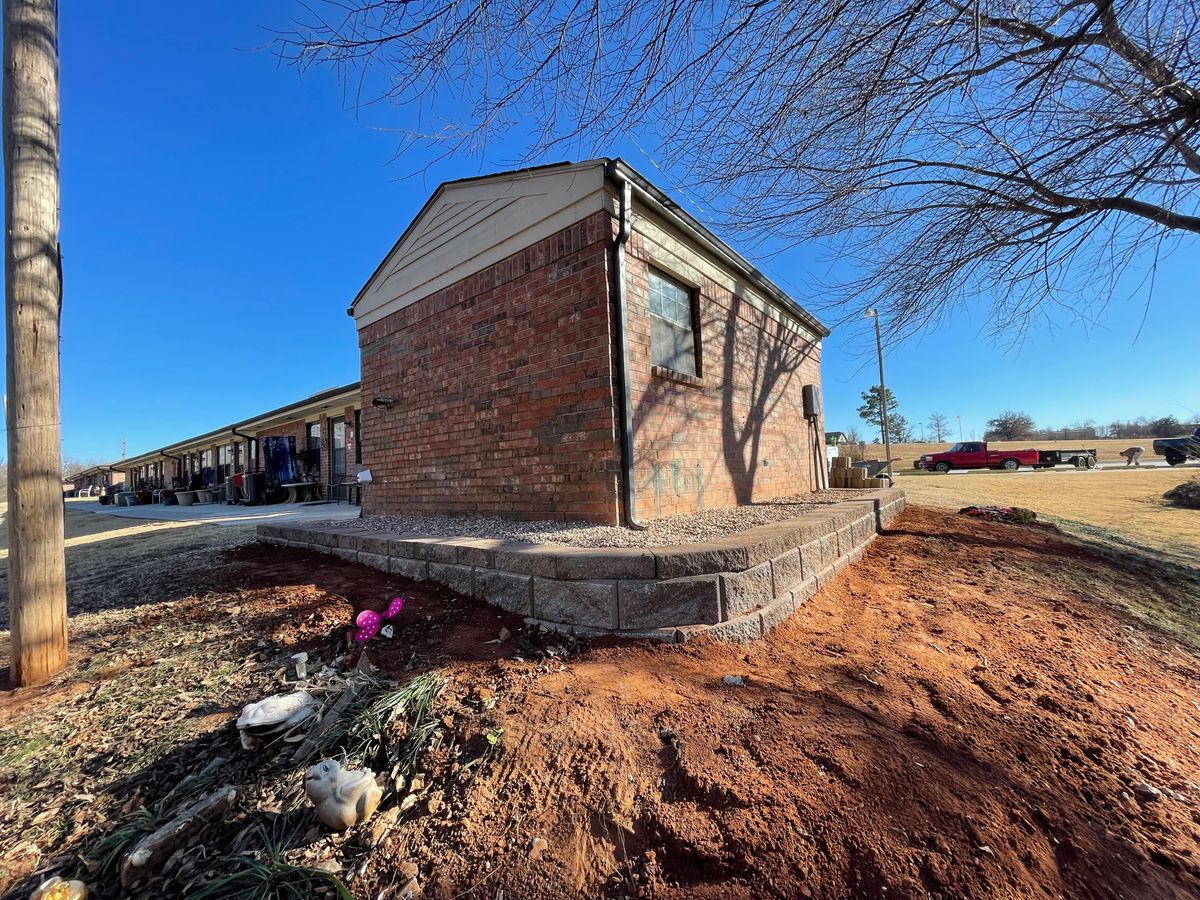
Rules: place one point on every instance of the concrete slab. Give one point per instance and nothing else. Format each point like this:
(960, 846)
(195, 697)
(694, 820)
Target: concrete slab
(220, 514)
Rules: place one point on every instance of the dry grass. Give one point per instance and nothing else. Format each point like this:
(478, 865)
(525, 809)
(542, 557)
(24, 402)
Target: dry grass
(1127, 504)
(110, 557)
(1107, 451)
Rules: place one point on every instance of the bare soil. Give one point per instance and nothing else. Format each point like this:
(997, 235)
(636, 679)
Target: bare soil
(972, 709)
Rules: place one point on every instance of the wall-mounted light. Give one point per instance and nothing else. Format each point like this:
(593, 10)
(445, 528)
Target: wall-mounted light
(383, 402)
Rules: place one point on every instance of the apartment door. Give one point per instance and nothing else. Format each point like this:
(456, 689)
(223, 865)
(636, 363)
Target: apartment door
(337, 450)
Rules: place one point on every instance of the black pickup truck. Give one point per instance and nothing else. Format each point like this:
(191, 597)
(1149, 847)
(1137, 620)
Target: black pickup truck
(1179, 449)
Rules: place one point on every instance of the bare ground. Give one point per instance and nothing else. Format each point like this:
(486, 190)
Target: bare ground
(973, 709)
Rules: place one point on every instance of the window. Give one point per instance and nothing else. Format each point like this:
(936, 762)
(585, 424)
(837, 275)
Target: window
(337, 429)
(314, 447)
(672, 325)
(224, 462)
(358, 436)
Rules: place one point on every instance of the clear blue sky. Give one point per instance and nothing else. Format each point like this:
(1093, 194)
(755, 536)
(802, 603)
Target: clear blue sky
(220, 211)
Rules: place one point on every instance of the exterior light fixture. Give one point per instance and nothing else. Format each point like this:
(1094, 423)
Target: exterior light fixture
(383, 402)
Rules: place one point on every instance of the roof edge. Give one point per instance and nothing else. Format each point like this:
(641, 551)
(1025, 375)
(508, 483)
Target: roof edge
(242, 423)
(620, 168)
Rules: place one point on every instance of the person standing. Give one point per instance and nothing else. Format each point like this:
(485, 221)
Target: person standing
(1133, 456)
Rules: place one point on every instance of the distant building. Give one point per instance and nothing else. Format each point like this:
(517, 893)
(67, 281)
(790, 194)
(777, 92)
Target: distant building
(323, 433)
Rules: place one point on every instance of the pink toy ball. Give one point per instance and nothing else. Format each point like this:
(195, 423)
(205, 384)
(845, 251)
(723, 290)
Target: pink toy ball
(369, 621)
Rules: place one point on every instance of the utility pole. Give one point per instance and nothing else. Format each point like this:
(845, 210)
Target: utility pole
(883, 394)
(33, 297)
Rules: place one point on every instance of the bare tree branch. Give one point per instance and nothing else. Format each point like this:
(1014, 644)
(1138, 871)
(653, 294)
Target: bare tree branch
(954, 151)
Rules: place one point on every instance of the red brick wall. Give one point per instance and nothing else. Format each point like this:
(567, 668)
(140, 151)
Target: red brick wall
(737, 435)
(503, 390)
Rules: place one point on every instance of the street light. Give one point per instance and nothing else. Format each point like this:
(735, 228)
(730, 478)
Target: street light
(883, 394)
(959, 418)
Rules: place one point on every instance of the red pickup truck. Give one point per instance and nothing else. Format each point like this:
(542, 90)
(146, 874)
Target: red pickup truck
(976, 455)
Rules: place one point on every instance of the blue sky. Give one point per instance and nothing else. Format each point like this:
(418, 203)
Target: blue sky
(220, 211)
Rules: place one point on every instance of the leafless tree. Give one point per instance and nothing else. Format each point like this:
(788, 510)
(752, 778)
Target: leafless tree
(74, 464)
(1018, 155)
(939, 425)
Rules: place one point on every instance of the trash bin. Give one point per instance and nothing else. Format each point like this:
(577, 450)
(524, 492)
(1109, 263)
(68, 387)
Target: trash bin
(254, 487)
(231, 489)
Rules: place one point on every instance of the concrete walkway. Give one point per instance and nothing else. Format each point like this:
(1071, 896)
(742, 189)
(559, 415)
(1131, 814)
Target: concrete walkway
(220, 514)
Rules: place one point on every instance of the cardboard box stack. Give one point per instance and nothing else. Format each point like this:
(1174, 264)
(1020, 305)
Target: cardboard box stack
(845, 475)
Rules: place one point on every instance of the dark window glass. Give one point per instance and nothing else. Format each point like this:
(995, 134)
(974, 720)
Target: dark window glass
(358, 436)
(314, 447)
(337, 429)
(672, 325)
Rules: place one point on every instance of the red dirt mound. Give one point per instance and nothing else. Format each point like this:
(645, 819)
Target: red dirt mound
(959, 714)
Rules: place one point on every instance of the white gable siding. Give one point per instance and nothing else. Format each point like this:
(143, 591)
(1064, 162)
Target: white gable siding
(476, 224)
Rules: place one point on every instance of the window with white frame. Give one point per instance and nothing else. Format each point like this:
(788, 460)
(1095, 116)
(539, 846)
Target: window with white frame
(224, 461)
(672, 325)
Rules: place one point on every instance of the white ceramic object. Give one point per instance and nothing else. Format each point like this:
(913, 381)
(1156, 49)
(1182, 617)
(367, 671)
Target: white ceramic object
(273, 716)
(57, 889)
(343, 797)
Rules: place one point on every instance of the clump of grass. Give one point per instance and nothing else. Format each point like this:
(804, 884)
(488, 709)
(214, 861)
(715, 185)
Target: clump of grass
(361, 733)
(267, 876)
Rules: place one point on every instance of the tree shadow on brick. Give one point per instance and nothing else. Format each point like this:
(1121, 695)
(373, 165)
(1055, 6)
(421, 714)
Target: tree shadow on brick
(684, 441)
(761, 362)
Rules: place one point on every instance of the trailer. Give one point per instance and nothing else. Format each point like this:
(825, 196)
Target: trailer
(1080, 458)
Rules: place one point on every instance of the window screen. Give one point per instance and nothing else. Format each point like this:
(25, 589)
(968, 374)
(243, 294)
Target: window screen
(672, 326)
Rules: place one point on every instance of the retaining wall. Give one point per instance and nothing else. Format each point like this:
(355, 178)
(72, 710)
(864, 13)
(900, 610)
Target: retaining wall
(737, 588)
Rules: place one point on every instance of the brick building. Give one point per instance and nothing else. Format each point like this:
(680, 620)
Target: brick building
(325, 429)
(567, 343)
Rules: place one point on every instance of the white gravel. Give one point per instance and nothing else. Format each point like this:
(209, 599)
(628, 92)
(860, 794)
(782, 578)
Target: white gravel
(685, 529)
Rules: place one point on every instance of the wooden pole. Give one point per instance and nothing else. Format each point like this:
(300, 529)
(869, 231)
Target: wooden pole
(32, 291)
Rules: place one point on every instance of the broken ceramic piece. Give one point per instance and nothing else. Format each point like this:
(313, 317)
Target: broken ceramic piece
(274, 717)
(343, 797)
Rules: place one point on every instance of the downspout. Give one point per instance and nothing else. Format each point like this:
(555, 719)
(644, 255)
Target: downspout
(625, 400)
(164, 452)
(248, 438)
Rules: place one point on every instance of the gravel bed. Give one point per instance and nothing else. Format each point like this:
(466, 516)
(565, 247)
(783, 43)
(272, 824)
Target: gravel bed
(684, 529)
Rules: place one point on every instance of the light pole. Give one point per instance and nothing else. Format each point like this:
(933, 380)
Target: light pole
(959, 419)
(883, 394)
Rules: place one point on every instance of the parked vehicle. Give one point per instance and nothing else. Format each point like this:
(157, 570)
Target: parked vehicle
(976, 455)
(1179, 449)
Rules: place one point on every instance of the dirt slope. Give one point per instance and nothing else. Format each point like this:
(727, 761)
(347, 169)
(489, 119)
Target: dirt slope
(967, 711)
(957, 715)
